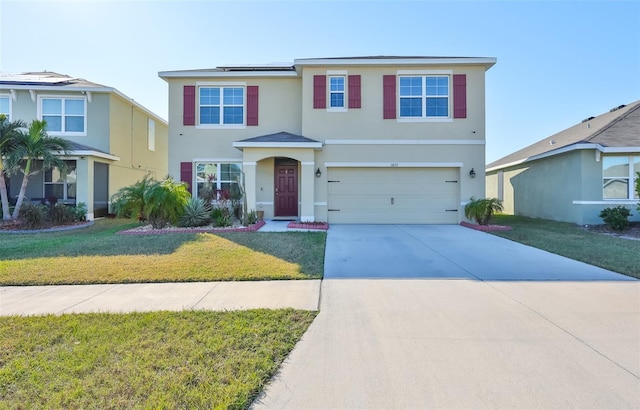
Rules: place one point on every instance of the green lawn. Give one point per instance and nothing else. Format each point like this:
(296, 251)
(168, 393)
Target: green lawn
(160, 360)
(99, 255)
(572, 241)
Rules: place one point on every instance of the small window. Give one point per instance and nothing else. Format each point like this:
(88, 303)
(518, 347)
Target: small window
(619, 174)
(424, 96)
(5, 106)
(64, 115)
(151, 135)
(221, 105)
(336, 92)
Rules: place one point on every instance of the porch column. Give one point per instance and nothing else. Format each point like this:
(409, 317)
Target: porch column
(84, 184)
(307, 189)
(249, 170)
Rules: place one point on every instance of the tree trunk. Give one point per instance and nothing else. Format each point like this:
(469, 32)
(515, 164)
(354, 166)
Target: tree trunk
(6, 215)
(23, 189)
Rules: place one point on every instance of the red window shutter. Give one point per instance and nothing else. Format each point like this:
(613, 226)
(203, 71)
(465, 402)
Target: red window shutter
(189, 105)
(252, 105)
(319, 91)
(459, 96)
(186, 174)
(389, 96)
(354, 91)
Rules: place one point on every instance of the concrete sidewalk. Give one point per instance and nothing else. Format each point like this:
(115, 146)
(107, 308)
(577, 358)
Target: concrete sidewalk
(33, 300)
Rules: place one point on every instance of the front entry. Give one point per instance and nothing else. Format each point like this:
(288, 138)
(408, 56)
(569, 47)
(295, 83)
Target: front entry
(286, 187)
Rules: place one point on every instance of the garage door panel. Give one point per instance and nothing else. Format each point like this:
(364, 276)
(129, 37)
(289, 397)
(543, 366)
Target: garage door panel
(402, 195)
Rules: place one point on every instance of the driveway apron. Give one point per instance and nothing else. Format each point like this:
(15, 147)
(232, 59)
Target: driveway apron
(447, 317)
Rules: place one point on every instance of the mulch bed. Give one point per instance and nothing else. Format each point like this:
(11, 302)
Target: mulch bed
(13, 226)
(308, 225)
(632, 232)
(206, 229)
(486, 228)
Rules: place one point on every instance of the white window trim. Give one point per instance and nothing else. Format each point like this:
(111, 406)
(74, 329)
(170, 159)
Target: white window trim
(222, 85)
(424, 74)
(10, 97)
(344, 93)
(631, 177)
(64, 97)
(218, 181)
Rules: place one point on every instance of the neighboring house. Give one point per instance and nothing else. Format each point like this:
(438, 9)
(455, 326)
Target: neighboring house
(115, 141)
(343, 140)
(573, 175)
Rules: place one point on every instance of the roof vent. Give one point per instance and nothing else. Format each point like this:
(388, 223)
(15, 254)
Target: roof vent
(588, 119)
(617, 108)
(552, 142)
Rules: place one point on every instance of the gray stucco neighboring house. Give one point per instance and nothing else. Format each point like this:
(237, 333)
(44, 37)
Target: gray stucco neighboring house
(573, 175)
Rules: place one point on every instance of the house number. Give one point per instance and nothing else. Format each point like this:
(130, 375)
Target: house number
(394, 165)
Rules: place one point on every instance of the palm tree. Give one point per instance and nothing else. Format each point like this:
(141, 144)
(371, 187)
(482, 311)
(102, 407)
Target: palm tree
(8, 131)
(482, 210)
(35, 144)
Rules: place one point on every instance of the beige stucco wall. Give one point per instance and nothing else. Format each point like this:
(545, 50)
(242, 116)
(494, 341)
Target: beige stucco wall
(367, 122)
(286, 104)
(279, 109)
(129, 126)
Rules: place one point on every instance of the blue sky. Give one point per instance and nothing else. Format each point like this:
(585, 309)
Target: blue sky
(558, 62)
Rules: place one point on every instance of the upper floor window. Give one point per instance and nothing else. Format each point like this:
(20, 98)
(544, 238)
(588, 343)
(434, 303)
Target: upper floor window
(221, 105)
(619, 174)
(64, 115)
(151, 135)
(336, 92)
(5, 106)
(424, 96)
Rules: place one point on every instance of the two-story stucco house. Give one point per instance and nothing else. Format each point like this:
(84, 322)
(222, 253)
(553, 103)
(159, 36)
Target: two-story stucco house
(115, 141)
(343, 140)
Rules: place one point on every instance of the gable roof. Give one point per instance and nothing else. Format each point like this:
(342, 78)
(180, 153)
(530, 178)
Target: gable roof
(615, 131)
(280, 139)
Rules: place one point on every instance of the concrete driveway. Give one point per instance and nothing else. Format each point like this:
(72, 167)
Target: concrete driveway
(447, 317)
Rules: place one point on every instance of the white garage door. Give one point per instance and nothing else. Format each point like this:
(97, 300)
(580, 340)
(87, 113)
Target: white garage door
(393, 195)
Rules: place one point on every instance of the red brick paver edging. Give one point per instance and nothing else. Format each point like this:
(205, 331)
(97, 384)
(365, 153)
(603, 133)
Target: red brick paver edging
(250, 228)
(486, 228)
(310, 225)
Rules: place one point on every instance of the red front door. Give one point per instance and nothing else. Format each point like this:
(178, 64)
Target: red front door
(286, 187)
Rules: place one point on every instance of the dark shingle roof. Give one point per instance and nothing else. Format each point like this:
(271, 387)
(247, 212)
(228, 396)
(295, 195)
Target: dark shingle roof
(620, 127)
(282, 136)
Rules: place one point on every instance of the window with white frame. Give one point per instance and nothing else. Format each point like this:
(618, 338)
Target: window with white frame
(424, 96)
(619, 174)
(216, 177)
(61, 185)
(64, 115)
(5, 106)
(221, 105)
(336, 91)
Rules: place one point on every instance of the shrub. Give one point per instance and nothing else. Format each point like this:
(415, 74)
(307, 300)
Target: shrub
(159, 202)
(33, 216)
(222, 220)
(79, 212)
(252, 218)
(196, 213)
(482, 210)
(60, 214)
(616, 217)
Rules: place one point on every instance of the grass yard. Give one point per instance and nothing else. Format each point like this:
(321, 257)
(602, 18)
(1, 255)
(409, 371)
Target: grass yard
(570, 240)
(169, 360)
(98, 255)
